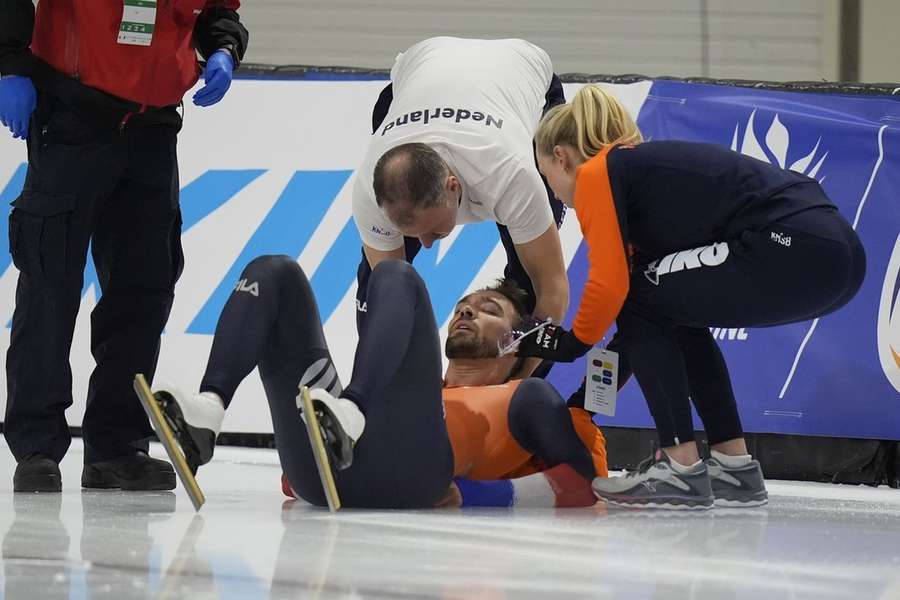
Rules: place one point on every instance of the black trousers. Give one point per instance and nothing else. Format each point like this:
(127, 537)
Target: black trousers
(514, 269)
(118, 191)
(404, 458)
(804, 266)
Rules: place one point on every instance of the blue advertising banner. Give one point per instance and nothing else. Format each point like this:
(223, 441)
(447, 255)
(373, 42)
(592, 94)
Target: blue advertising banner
(837, 376)
(285, 190)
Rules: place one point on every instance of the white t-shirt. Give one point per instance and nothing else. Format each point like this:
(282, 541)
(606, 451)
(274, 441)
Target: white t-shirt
(477, 103)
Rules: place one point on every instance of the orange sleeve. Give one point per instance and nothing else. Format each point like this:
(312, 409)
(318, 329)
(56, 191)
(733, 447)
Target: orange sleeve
(592, 438)
(607, 280)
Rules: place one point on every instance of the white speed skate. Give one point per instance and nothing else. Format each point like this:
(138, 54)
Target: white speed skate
(195, 420)
(340, 422)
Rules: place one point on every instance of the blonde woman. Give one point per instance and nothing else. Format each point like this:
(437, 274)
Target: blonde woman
(684, 236)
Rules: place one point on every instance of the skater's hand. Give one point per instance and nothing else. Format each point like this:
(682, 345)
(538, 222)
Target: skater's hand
(18, 99)
(552, 342)
(453, 499)
(217, 76)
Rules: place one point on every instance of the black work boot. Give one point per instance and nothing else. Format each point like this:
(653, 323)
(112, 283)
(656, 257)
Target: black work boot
(137, 472)
(37, 473)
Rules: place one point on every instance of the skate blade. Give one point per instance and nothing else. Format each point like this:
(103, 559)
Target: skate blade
(304, 401)
(167, 439)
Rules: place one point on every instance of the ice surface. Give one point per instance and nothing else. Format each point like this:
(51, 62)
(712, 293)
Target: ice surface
(812, 541)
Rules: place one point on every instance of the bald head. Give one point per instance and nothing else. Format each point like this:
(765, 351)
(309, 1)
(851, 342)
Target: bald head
(412, 176)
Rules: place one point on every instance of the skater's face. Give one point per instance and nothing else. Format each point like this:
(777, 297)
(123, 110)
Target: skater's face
(479, 321)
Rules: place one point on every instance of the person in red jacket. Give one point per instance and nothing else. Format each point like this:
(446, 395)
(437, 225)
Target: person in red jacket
(94, 88)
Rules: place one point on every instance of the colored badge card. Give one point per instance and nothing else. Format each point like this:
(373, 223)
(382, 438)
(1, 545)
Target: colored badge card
(602, 382)
(138, 22)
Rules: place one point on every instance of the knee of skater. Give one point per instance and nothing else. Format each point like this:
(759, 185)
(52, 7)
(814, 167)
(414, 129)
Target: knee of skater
(534, 396)
(270, 266)
(397, 271)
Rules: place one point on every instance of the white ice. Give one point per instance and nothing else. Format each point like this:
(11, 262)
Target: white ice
(812, 541)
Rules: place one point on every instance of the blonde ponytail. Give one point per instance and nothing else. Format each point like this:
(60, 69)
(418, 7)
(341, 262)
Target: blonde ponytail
(594, 119)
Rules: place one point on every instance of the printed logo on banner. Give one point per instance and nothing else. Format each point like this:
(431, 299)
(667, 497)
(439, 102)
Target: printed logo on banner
(889, 320)
(729, 334)
(775, 150)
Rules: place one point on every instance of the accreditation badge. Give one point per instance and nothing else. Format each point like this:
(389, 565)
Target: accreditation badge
(138, 22)
(602, 382)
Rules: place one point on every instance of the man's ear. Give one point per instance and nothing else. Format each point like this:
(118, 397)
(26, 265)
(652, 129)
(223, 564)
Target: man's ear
(452, 188)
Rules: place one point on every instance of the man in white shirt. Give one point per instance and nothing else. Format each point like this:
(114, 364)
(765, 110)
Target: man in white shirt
(452, 143)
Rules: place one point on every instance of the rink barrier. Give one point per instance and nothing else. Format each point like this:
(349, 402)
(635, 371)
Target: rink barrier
(818, 458)
(320, 73)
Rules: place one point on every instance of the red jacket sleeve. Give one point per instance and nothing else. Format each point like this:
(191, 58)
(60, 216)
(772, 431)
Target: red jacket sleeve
(607, 280)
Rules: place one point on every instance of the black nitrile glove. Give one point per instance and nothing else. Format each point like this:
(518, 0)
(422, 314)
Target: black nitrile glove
(552, 342)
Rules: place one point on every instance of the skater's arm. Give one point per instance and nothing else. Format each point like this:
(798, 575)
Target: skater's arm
(559, 487)
(453, 499)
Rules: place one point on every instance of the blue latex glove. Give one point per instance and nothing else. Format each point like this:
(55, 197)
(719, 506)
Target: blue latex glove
(217, 77)
(17, 101)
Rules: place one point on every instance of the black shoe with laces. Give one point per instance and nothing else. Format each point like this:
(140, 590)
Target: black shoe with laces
(37, 473)
(137, 472)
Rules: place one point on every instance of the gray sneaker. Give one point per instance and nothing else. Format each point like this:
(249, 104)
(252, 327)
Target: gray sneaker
(738, 487)
(656, 484)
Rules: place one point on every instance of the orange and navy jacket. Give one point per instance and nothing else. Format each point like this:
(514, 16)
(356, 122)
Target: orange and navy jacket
(640, 203)
(484, 447)
(77, 40)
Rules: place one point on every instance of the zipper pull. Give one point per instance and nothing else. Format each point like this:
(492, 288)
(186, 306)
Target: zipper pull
(124, 122)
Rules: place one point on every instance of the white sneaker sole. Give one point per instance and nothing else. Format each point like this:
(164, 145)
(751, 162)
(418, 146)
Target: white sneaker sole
(725, 503)
(663, 505)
